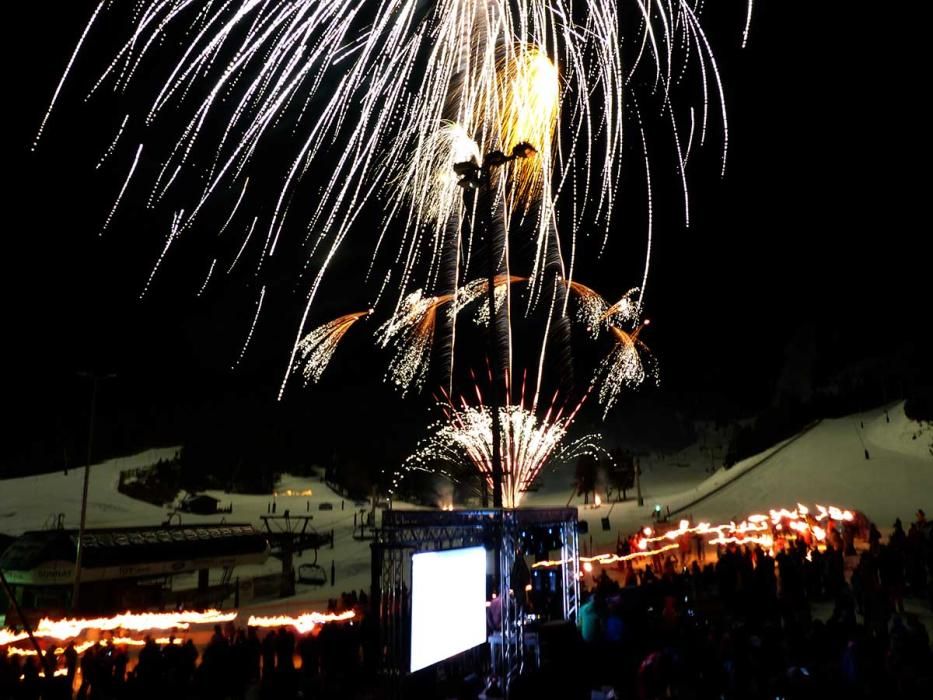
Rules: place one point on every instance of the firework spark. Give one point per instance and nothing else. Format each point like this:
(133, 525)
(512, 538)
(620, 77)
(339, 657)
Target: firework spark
(595, 313)
(464, 439)
(252, 328)
(386, 80)
(626, 366)
(411, 330)
(126, 182)
(429, 181)
(528, 91)
(317, 348)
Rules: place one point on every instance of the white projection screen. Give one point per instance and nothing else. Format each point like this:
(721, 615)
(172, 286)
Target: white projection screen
(448, 604)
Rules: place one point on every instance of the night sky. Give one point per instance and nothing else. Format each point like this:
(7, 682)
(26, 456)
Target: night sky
(814, 238)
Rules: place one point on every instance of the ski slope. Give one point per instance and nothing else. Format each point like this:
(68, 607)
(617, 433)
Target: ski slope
(34, 503)
(823, 464)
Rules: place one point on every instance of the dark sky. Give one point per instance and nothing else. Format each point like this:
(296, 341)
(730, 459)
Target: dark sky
(815, 232)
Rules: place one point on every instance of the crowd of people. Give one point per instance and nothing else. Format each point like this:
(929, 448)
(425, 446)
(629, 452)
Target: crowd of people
(804, 623)
(237, 663)
(755, 626)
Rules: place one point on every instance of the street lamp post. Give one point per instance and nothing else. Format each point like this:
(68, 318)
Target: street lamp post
(474, 176)
(79, 546)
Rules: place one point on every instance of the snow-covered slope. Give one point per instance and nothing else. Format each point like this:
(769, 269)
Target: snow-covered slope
(823, 464)
(34, 502)
(828, 465)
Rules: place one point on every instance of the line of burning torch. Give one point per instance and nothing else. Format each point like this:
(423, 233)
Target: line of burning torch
(755, 529)
(67, 629)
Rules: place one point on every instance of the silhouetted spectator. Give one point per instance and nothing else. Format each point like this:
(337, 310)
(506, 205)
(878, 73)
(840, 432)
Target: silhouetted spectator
(268, 655)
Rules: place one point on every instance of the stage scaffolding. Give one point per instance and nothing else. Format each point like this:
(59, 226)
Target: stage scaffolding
(407, 532)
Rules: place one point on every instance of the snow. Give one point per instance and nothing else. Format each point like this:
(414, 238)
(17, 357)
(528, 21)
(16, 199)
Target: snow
(33, 503)
(823, 464)
(826, 464)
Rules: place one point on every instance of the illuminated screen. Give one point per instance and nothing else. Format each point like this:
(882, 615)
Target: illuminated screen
(448, 604)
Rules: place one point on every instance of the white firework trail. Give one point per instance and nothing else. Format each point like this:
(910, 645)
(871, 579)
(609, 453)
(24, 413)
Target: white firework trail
(126, 182)
(168, 183)
(252, 328)
(481, 317)
(61, 82)
(650, 205)
(207, 278)
(428, 182)
(625, 310)
(748, 23)
(393, 82)
(172, 235)
(113, 144)
(469, 293)
(246, 238)
(235, 207)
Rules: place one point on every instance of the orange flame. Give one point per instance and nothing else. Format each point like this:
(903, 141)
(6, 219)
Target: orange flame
(304, 623)
(136, 622)
(11, 637)
(753, 530)
(604, 559)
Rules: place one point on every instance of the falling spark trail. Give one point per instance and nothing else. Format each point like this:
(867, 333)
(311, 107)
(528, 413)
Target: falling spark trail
(252, 328)
(173, 234)
(411, 329)
(167, 185)
(408, 90)
(64, 77)
(235, 207)
(122, 190)
(644, 280)
(208, 278)
(249, 233)
(113, 144)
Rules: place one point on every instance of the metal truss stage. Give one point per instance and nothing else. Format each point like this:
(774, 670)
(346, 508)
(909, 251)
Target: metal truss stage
(508, 532)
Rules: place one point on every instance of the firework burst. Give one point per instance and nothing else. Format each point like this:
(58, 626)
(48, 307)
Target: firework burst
(626, 366)
(411, 330)
(595, 313)
(403, 87)
(317, 348)
(463, 441)
(528, 94)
